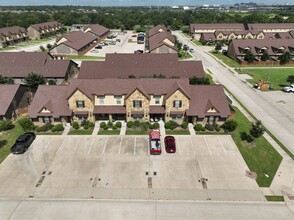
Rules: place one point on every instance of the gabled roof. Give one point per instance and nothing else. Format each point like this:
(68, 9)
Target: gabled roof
(20, 64)
(77, 39)
(140, 65)
(157, 40)
(218, 26)
(12, 30)
(157, 29)
(203, 97)
(262, 26)
(7, 94)
(178, 86)
(45, 25)
(97, 29)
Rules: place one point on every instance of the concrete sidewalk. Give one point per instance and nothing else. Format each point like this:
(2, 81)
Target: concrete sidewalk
(96, 128)
(123, 128)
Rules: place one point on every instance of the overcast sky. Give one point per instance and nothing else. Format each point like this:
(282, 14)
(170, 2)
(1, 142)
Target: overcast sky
(133, 2)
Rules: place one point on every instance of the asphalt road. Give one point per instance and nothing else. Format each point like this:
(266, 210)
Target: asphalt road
(275, 118)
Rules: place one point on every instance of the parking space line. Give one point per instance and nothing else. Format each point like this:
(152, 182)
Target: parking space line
(135, 142)
(119, 149)
(61, 146)
(47, 144)
(192, 145)
(180, 152)
(105, 144)
(207, 146)
(222, 145)
(90, 148)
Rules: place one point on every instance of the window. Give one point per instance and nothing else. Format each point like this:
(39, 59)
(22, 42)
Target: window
(137, 117)
(177, 104)
(101, 99)
(118, 100)
(80, 104)
(46, 119)
(157, 99)
(211, 119)
(137, 103)
(175, 117)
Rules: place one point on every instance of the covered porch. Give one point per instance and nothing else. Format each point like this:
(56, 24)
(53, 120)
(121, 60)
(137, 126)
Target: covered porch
(110, 113)
(156, 113)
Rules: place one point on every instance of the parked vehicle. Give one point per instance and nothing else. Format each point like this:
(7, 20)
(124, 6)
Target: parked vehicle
(95, 51)
(112, 43)
(170, 144)
(191, 50)
(154, 140)
(98, 47)
(138, 51)
(23, 142)
(288, 88)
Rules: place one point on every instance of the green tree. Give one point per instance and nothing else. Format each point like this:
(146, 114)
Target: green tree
(256, 130)
(42, 48)
(290, 79)
(265, 56)
(34, 80)
(285, 58)
(218, 46)
(6, 80)
(199, 81)
(249, 57)
(230, 125)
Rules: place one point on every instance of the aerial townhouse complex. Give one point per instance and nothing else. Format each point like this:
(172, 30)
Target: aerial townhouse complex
(12, 35)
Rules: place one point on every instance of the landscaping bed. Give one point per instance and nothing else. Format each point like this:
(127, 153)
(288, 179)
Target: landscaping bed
(80, 132)
(174, 128)
(85, 128)
(140, 128)
(109, 128)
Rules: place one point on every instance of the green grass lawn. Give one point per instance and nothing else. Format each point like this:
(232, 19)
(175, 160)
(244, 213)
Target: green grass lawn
(197, 42)
(26, 43)
(177, 132)
(109, 132)
(132, 132)
(185, 55)
(277, 76)
(210, 78)
(275, 198)
(230, 62)
(7, 139)
(49, 133)
(261, 159)
(82, 57)
(80, 132)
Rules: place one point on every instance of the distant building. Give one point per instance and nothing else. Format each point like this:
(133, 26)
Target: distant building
(97, 30)
(38, 31)
(12, 35)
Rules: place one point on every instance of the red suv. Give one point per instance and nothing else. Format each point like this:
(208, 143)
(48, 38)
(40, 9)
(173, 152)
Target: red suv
(170, 144)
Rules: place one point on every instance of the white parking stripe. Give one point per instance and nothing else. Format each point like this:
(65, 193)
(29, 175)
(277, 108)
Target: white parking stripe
(105, 144)
(135, 142)
(192, 145)
(222, 145)
(180, 152)
(90, 148)
(120, 144)
(207, 146)
(61, 145)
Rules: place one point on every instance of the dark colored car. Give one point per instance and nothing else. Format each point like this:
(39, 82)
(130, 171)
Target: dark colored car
(170, 144)
(23, 142)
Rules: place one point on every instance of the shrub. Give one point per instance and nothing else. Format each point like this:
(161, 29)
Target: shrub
(6, 125)
(217, 129)
(250, 139)
(105, 127)
(167, 125)
(75, 125)
(38, 129)
(58, 127)
(203, 129)
(84, 122)
(91, 125)
(46, 127)
(209, 127)
(243, 136)
(137, 124)
(26, 124)
(145, 126)
(198, 127)
(173, 125)
(102, 124)
(109, 124)
(114, 127)
(155, 125)
(256, 130)
(151, 126)
(86, 127)
(130, 124)
(230, 125)
(118, 124)
(184, 125)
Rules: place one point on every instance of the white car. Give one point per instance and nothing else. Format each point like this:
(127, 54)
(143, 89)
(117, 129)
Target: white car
(288, 88)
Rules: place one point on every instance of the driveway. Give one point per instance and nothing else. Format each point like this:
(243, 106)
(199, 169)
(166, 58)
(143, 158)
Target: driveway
(273, 116)
(120, 167)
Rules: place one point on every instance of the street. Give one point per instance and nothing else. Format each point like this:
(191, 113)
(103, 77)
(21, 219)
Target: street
(275, 118)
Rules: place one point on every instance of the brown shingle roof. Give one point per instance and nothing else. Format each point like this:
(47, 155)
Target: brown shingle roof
(97, 29)
(109, 109)
(157, 40)
(219, 26)
(20, 64)
(155, 30)
(12, 30)
(7, 93)
(140, 65)
(203, 97)
(45, 25)
(262, 26)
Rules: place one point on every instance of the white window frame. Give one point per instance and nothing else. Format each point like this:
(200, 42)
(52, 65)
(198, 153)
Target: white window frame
(157, 99)
(118, 100)
(101, 99)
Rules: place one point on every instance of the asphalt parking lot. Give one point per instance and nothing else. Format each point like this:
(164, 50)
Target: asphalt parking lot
(124, 46)
(109, 167)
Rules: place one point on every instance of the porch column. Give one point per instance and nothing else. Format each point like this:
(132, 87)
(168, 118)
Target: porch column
(110, 117)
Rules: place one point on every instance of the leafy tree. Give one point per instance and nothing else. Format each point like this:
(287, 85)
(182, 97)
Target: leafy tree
(285, 58)
(26, 124)
(290, 79)
(6, 80)
(42, 48)
(199, 81)
(52, 82)
(6, 125)
(249, 57)
(218, 46)
(185, 29)
(49, 46)
(256, 130)
(230, 125)
(265, 56)
(34, 80)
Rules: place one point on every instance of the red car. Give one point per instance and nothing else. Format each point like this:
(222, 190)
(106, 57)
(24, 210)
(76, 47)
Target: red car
(170, 144)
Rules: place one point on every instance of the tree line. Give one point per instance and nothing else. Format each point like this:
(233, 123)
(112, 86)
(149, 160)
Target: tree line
(128, 17)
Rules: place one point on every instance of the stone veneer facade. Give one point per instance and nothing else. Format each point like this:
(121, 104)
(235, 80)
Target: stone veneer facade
(137, 95)
(177, 95)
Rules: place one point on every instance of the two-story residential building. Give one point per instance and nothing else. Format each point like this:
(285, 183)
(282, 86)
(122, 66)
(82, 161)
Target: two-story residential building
(37, 31)
(141, 65)
(14, 100)
(12, 35)
(18, 65)
(145, 99)
(271, 27)
(238, 49)
(73, 43)
(97, 30)
(160, 40)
